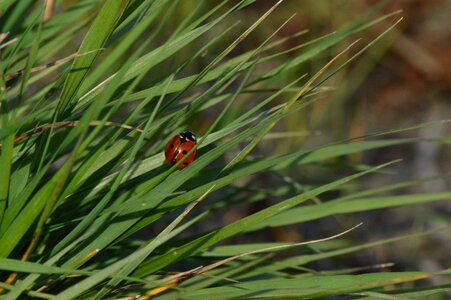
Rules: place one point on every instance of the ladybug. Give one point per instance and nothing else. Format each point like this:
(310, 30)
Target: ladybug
(178, 147)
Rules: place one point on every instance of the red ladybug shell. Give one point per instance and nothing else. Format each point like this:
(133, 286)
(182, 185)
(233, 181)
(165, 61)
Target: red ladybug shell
(178, 147)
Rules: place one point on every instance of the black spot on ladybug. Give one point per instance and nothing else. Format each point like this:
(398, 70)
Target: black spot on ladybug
(184, 151)
(172, 146)
(186, 163)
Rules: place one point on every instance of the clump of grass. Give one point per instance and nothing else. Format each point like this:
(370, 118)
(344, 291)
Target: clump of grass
(91, 93)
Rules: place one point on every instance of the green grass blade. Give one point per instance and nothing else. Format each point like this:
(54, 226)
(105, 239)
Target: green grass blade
(243, 224)
(100, 30)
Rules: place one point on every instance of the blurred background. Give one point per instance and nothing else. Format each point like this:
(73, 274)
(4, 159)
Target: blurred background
(402, 81)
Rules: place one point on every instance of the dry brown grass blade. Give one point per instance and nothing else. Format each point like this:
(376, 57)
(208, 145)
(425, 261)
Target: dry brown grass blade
(3, 36)
(71, 124)
(48, 10)
(9, 77)
(10, 42)
(177, 279)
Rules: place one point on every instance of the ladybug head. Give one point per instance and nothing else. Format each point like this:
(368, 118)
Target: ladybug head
(188, 135)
